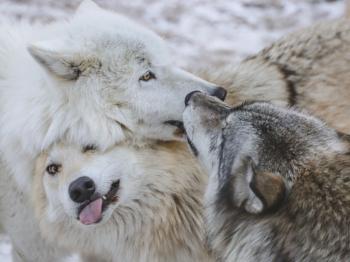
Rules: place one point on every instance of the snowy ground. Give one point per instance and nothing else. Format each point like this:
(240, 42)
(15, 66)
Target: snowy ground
(201, 32)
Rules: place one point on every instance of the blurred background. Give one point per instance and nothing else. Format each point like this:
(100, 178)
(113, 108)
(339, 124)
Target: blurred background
(201, 33)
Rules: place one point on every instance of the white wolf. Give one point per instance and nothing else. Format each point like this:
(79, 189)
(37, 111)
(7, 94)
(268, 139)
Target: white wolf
(127, 204)
(95, 80)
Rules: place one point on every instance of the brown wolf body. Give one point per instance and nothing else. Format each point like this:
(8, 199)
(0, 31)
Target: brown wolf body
(308, 69)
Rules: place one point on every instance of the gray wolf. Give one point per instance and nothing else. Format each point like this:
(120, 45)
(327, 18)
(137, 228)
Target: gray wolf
(129, 204)
(279, 181)
(93, 81)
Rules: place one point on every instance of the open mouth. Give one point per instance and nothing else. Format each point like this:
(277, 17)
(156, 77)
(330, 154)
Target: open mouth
(178, 124)
(91, 211)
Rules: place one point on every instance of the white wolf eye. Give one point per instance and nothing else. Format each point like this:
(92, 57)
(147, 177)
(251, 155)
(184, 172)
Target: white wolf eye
(147, 76)
(89, 148)
(53, 169)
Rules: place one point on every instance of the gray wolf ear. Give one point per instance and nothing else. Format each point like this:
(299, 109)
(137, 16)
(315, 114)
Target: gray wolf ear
(256, 192)
(60, 64)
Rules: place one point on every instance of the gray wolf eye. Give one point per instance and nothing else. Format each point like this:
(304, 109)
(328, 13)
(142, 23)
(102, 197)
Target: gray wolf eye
(53, 169)
(147, 76)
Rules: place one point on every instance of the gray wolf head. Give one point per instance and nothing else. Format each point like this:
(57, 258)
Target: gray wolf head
(117, 76)
(254, 152)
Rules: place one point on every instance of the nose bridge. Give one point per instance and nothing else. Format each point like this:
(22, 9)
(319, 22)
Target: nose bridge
(192, 82)
(188, 77)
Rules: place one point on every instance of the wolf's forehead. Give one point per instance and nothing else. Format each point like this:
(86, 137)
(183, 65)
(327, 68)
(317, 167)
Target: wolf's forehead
(118, 40)
(65, 154)
(131, 49)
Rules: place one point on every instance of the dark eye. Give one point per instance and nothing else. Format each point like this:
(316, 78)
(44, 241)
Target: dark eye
(53, 169)
(88, 148)
(147, 76)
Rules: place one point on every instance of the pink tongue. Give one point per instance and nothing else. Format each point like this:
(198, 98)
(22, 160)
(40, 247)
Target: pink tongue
(92, 213)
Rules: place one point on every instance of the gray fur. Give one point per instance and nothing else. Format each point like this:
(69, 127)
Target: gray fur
(279, 182)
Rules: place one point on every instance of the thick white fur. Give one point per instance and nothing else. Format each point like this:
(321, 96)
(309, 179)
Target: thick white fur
(105, 105)
(17, 217)
(157, 218)
(78, 81)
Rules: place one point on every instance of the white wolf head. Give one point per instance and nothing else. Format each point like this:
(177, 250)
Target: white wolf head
(95, 201)
(113, 70)
(68, 177)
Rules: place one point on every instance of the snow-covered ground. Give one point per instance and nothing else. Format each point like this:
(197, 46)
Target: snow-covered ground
(200, 32)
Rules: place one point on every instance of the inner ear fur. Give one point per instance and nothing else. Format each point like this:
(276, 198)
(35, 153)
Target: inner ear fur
(61, 63)
(256, 191)
(270, 189)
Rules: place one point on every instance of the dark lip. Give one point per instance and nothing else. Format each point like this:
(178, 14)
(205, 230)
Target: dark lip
(192, 146)
(107, 199)
(176, 123)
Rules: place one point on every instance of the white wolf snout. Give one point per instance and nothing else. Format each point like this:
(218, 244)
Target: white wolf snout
(91, 203)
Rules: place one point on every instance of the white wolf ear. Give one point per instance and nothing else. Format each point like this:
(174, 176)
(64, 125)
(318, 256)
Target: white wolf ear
(254, 191)
(87, 6)
(61, 64)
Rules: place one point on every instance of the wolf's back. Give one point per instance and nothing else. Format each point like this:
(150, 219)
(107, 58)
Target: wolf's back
(308, 69)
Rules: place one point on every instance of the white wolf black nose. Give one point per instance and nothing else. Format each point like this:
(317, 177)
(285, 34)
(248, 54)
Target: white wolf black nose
(81, 189)
(220, 93)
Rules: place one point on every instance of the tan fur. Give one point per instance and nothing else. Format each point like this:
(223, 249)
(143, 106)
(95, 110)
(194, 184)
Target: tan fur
(312, 225)
(271, 188)
(318, 212)
(347, 9)
(315, 62)
(163, 221)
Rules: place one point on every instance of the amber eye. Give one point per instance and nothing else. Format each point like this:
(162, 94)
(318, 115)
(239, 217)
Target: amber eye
(53, 169)
(147, 76)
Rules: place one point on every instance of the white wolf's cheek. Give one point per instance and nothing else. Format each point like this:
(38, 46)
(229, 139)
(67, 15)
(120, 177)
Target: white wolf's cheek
(58, 205)
(54, 208)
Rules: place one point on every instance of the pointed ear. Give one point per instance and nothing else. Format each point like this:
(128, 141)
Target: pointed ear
(59, 63)
(256, 192)
(87, 6)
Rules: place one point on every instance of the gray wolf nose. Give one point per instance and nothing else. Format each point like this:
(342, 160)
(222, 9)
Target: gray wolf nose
(81, 189)
(188, 96)
(220, 93)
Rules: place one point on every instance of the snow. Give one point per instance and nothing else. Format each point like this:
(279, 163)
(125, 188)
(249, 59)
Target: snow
(200, 32)
(5, 248)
